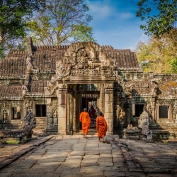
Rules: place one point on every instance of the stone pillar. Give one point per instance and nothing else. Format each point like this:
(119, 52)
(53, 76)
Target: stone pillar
(62, 109)
(69, 114)
(74, 114)
(49, 115)
(78, 110)
(108, 114)
(101, 99)
(154, 116)
(170, 113)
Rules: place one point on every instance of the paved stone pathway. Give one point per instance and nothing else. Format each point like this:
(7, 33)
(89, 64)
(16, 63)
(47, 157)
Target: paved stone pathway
(9, 153)
(75, 156)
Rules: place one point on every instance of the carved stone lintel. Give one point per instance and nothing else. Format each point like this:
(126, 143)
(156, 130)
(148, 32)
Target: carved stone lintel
(84, 59)
(108, 86)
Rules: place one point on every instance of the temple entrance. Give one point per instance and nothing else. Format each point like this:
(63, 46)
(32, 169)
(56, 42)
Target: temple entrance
(89, 101)
(91, 105)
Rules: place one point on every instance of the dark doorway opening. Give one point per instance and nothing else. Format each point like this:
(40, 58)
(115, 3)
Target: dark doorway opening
(15, 113)
(163, 111)
(40, 110)
(138, 109)
(89, 101)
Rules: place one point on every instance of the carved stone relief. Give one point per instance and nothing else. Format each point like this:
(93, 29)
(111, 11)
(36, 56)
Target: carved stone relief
(52, 115)
(128, 90)
(55, 117)
(28, 105)
(83, 59)
(120, 114)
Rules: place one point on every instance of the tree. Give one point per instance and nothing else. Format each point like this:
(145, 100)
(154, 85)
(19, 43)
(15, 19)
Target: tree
(13, 17)
(61, 21)
(160, 16)
(159, 54)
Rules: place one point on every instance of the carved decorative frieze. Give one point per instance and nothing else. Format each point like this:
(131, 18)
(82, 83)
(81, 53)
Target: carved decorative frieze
(83, 59)
(63, 70)
(141, 85)
(108, 86)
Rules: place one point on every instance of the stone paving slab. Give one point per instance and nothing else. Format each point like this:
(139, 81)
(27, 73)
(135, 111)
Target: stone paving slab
(76, 156)
(22, 149)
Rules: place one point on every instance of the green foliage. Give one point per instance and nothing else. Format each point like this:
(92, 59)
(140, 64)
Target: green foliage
(13, 17)
(61, 21)
(1, 53)
(82, 33)
(48, 22)
(13, 141)
(174, 65)
(159, 55)
(160, 16)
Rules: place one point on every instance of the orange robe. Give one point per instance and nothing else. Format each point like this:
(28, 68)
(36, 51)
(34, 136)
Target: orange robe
(85, 119)
(101, 126)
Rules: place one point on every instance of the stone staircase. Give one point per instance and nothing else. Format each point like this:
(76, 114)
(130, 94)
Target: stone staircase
(40, 126)
(164, 130)
(90, 132)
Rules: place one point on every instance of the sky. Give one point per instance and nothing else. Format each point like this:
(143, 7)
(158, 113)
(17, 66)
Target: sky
(115, 23)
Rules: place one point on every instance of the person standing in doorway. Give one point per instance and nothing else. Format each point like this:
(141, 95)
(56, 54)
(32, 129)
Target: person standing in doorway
(92, 112)
(85, 119)
(101, 127)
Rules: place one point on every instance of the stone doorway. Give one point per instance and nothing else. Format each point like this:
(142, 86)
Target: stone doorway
(89, 101)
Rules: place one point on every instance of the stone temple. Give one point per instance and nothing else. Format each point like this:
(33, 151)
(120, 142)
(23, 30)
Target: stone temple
(57, 82)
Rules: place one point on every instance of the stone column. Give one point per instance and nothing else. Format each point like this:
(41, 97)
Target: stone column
(154, 116)
(68, 114)
(62, 109)
(49, 118)
(108, 114)
(74, 113)
(101, 99)
(170, 113)
(78, 110)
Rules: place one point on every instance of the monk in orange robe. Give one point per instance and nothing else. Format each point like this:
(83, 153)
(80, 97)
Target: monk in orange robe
(101, 127)
(85, 119)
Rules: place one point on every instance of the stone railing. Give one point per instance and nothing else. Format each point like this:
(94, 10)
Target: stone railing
(25, 130)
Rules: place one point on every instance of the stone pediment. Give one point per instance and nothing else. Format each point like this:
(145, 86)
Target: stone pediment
(83, 59)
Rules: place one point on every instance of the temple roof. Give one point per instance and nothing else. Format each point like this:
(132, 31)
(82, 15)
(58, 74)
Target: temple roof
(44, 59)
(20, 65)
(10, 92)
(13, 66)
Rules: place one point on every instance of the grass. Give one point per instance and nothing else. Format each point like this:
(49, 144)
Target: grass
(12, 141)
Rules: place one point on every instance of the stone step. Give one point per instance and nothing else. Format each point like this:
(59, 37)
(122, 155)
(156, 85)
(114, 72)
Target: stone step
(90, 132)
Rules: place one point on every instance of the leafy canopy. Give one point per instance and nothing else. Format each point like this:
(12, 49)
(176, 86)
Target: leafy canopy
(13, 17)
(61, 21)
(160, 16)
(159, 55)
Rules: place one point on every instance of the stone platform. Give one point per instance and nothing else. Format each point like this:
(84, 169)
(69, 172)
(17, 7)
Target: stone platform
(75, 156)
